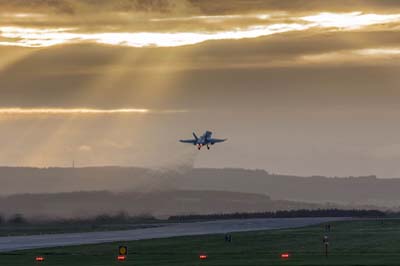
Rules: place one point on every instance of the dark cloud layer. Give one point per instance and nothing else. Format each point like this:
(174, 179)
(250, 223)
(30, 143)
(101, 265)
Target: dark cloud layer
(135, 77)
(239, 6)
(73, 6)
(196, 6)
(246, 74)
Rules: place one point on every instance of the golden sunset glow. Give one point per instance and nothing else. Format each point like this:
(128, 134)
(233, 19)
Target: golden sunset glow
(45, 37)
(64, 111)
(379, 51)
(30, 37)
(354, 20)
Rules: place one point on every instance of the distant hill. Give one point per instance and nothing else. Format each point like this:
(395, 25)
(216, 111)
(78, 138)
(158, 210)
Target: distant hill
(157, 203)
(350, 190)
(345, 190)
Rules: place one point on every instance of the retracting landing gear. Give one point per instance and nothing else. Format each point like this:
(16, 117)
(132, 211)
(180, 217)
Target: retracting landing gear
(208, 147)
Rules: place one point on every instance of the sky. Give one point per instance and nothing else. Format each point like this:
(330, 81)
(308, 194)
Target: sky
(302, 87)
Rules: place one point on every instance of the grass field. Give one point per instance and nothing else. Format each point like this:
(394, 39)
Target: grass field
(358, 243)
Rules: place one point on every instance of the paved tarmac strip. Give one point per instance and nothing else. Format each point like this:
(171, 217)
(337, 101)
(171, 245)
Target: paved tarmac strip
(15, 243)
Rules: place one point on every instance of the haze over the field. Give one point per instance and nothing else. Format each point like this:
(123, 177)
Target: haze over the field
(299, 87)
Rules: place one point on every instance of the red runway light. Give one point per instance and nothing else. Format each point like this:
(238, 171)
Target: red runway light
(121, 258)
(203, 256)
(39, 258)
(285, 255)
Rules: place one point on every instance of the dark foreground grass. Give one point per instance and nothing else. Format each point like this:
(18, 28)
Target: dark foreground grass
(370, 242)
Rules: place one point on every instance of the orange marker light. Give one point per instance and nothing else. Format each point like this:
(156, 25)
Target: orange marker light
(39, 258)
(285, 255)
(121, 257)
(203, 256)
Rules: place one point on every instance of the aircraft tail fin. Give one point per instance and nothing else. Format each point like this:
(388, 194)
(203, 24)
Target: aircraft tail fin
(194, 135)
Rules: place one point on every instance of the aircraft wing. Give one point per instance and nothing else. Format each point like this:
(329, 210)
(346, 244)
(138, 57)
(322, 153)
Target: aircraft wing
(191, 141)
(213, 141)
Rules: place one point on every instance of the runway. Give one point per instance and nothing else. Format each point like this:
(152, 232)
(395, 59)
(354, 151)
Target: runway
(184, 229)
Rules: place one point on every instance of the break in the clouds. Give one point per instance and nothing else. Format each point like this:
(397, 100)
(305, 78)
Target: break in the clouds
(83, 111)
(55, 111)
(261, 25)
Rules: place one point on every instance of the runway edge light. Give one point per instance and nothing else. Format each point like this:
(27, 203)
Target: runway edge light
(203, 256)
(39, 258)
(285, 255)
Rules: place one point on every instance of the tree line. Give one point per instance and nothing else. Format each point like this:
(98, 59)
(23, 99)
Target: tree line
(123, 218)
(283, 214)
(119, 218)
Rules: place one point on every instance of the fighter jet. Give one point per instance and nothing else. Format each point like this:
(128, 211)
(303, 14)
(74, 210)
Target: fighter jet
(204, 140)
